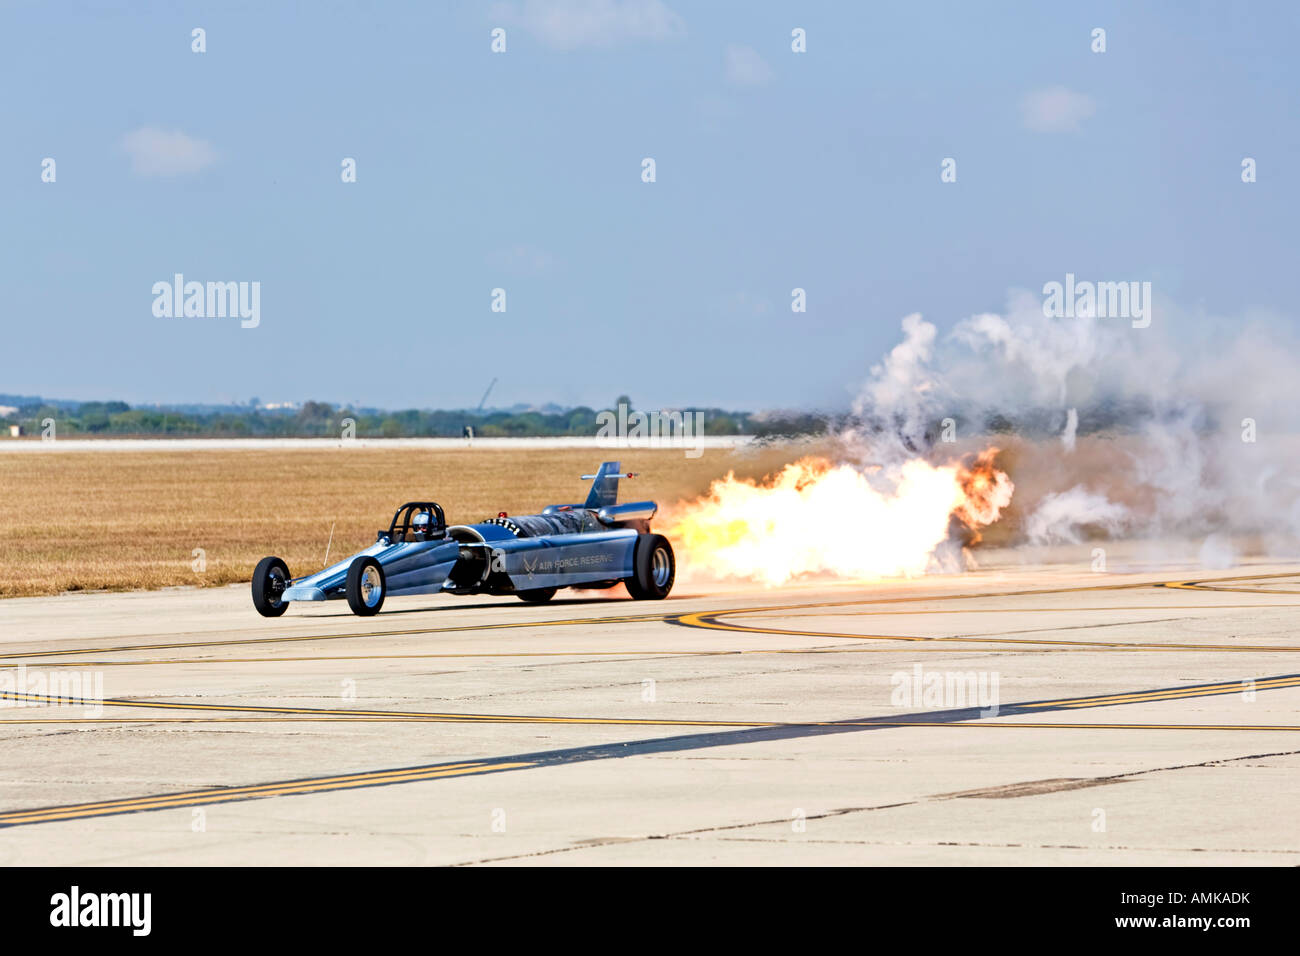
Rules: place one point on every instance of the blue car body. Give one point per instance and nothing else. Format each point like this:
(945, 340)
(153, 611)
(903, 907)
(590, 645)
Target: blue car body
(591, 545)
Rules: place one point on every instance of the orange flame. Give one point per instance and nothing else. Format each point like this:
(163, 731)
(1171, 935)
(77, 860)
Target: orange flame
(818, 518)
(985, 492)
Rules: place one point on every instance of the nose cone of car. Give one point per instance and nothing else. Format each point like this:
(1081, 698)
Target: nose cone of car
(303, 593)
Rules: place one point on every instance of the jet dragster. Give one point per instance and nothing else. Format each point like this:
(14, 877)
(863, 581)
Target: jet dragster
(595, 544)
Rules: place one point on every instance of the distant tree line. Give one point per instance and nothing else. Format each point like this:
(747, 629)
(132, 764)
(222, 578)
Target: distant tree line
(324, 420)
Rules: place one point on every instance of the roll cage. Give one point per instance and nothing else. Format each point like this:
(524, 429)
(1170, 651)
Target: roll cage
(400, 529)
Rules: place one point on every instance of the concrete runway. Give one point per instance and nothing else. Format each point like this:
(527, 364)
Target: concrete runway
(1149, 717)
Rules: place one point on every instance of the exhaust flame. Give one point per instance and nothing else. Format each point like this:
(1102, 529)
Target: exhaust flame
(985, 491)
(818, 518)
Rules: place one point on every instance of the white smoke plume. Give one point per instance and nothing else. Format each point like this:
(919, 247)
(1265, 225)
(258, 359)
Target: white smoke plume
(1071, 429)
(1188, 427)
(1061, 516)
(1022, 428)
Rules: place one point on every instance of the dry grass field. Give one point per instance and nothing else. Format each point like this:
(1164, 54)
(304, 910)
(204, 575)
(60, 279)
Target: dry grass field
(121, 520)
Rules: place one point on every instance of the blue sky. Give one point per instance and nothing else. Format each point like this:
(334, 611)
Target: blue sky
(522, 170)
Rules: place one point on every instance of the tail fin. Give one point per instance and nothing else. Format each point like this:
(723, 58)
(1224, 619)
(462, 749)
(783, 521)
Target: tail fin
(604, 490)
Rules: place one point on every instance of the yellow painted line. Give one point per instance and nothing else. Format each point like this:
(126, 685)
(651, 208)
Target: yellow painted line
(586, 654)
(1202, 586)
(682, 652)
(324, 713)
(410, 775)
(1172, 695)
(219, 795)
(243, 791)
(376, 778)
(1226, 687)
(976, 595)
(397, 719)
(698, 620)
(418, 632)
(743, 724)
(1026, 725)
(628, 618)
(382, 720)
(1044, 610)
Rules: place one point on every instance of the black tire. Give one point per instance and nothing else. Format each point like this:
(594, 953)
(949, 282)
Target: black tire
(367, 586)
(536, 595)
(270, 578)
(654, 568)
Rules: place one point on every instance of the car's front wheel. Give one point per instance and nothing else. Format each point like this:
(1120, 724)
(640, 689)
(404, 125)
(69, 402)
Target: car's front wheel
(536, 595)
(366, 586)
(270, 578)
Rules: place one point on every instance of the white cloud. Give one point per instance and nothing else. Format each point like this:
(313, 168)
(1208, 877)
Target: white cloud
(571, 24)
(745, 67)
(1056, 110)
(156, 152)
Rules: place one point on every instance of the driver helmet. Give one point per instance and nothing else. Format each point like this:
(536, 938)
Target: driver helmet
(421, 523)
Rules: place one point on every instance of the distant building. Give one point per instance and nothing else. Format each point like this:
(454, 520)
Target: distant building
(15, 431)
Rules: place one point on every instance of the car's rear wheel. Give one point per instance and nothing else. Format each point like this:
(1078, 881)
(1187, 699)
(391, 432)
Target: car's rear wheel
(270, 578)
(654, 568)
(536, 595)
(366, 587)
